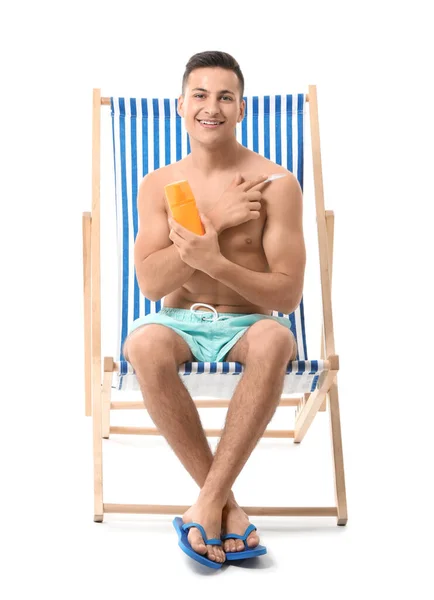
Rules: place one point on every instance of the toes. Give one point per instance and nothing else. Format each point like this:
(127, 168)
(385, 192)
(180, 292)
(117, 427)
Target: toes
(215, 553)
(252, 540)
(222, 555)
(234, 545)
(229, 545)
(196, 542)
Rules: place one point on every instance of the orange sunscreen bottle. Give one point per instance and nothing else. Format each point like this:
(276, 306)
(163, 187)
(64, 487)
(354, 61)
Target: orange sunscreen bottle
(183, 206)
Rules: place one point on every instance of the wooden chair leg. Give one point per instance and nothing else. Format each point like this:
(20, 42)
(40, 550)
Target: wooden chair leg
(87, 314)
(338, 457)
(97, 452)
(95, 270)
(106, 396)
(330, 228)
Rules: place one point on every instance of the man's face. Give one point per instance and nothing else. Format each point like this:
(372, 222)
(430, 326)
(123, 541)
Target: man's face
(211, 105)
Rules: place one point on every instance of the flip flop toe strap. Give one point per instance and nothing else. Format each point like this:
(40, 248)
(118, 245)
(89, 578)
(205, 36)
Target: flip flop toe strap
(210, 542)
(231, 536)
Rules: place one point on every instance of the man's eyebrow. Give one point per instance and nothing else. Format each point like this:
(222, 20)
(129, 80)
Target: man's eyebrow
(220, 92)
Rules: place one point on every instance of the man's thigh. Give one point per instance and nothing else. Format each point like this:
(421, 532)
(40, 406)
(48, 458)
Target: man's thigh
(153, 337)
(262, 335)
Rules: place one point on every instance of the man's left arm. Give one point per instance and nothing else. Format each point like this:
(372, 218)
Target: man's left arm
(284, 248)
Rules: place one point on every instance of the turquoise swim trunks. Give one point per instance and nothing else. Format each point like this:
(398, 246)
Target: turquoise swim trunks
(209, 335)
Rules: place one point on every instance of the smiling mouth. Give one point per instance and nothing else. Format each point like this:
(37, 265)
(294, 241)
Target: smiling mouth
(210, 124)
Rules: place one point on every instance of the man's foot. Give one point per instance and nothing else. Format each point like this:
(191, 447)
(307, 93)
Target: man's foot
(235, 520)
(210, 517)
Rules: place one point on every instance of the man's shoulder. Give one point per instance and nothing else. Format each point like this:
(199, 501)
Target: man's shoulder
(279, 190)
(153, 183)
(259, 164)
(162, 176)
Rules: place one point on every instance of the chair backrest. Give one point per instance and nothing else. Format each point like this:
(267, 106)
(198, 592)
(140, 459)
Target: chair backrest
(149, 134)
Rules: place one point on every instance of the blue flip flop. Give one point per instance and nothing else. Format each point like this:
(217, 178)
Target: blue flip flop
(248, 552)
(182, 530)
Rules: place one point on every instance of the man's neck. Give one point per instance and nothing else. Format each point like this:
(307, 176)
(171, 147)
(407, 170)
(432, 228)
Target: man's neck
(210, 161)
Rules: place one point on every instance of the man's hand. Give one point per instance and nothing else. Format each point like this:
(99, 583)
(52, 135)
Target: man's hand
(199, 251)
(240, 203)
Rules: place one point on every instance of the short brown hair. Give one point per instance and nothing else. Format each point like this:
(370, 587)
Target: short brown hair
(213, 59)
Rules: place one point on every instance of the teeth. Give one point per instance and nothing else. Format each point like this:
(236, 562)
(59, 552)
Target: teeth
(211, 122)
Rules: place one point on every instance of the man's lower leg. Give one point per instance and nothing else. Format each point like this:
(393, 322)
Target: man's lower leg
(176, 417)
(251, 408)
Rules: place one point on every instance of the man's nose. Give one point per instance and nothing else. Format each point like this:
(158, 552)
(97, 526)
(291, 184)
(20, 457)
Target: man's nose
(212, 107)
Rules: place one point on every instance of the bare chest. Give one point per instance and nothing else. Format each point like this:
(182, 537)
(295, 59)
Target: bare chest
(243, 238)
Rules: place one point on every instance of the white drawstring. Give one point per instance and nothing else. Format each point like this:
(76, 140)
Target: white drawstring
(215, 316)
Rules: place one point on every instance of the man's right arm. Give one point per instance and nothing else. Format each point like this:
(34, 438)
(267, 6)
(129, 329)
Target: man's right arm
(159, 268)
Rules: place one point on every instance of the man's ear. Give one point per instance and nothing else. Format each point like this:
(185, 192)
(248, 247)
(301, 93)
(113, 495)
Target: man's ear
(242, 111)
(180, 106)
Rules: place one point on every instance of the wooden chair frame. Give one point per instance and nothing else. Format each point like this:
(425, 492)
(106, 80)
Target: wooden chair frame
(98, 394)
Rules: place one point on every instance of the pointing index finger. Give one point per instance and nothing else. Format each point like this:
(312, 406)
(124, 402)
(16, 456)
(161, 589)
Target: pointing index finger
(248, 185)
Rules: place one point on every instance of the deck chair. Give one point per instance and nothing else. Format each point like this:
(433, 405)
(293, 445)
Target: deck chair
(147, 134)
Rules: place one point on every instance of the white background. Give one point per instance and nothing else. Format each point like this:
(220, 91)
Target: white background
(370, 62)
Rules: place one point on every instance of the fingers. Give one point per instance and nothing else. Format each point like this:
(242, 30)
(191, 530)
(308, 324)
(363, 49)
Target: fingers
(177, 231)
(258, 181)
(254, 195)
(173, 236)
(237, 180)
(260, 186)
(255, 206)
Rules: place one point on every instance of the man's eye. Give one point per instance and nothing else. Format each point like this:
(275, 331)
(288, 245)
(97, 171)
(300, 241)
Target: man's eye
(227, 97)
(198, 95)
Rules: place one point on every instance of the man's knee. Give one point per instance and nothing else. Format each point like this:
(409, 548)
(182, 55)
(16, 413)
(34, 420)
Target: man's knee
(149, 342)
(271, 339)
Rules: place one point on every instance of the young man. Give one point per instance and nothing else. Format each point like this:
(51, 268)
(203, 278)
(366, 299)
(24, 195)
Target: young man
(250, 261)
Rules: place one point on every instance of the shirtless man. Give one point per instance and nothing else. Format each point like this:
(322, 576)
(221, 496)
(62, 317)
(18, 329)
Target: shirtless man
(250, 261)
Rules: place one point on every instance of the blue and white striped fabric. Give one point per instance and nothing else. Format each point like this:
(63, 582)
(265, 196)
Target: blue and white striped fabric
(149, 134)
